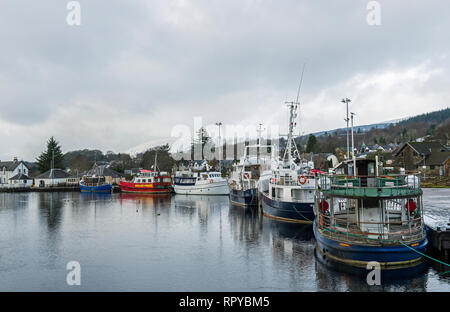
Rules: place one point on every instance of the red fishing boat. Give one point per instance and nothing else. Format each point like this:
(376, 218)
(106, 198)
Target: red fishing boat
(151, 182)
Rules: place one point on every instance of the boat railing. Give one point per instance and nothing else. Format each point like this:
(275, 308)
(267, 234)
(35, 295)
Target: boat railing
(308, 180)
(351, 231)
(383, 185)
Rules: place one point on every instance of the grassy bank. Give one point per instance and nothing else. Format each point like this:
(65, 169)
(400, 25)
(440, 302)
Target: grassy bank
(436, 182)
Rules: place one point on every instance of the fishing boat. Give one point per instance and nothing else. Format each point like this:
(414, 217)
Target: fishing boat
(245, 176)
(290, 194)
(148, 181)
(200, 181)
(95, 181)
(363, 215)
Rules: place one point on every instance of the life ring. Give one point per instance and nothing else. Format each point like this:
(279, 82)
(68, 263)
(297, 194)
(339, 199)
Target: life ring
(302, 179)
(211, 181)
(411, 206)
(323, 206)
(246, 175)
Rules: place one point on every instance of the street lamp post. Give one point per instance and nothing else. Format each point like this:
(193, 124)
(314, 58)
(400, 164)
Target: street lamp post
(220, 146)
(353, 149)
(346, 101)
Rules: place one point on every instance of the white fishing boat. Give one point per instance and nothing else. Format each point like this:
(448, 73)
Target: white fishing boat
(200, 181)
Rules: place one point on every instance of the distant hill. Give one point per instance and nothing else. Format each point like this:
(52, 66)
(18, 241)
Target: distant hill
(429, 126)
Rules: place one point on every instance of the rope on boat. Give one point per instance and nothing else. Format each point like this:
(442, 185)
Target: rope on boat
(443, 273)
(301, 215)
(392, 241)
(441, 262)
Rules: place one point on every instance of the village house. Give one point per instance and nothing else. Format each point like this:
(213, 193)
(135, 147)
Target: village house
(20, 180)
(432, 158)
(9, 169)
(55, 177)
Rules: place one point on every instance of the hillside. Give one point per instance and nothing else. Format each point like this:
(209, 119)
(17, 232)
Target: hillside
(429, 126)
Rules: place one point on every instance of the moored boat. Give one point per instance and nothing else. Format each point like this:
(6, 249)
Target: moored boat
(245, 176)
(150, 182)
(95, 181)
(200, 182)
(370, 217)
(290, 194)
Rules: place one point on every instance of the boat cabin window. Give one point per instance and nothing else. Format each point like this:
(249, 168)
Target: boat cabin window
(371, 169)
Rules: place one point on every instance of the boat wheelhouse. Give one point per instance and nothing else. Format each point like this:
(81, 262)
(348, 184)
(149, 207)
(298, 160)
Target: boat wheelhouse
(95, 181)
(290, 194)
(370, 217)
(200, 182)
(147, 181)
(245, 176)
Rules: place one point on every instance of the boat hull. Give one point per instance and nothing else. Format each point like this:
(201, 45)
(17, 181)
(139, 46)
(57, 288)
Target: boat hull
(216, 188)
(105, 188)
(144, 188)
(244, 198)
(301, 212)
(360, 255)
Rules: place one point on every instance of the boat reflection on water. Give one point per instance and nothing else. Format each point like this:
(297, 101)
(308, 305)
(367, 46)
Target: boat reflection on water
(400, 279)
(148, 204)
(93, 196)
(245, 224)
(302, 232)
(204, 205)
(291, 243)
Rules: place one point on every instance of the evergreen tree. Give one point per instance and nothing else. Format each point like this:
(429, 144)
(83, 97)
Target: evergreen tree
(164, 160)
(53, 152)
(311, 143)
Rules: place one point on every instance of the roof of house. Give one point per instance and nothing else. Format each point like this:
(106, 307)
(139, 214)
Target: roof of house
(437, 158)
(423, 147)
(11, 165)
(54, 174)
(20, 176)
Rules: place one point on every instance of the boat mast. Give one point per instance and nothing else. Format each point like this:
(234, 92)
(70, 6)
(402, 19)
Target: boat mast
(258, 142)
(292, 116)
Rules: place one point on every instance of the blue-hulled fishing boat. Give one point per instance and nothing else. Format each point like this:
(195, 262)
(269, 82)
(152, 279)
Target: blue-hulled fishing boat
(290, 195)
(245, 176)
(368, 216)
(95, 181)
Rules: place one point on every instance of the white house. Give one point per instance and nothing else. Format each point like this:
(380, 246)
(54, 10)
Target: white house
(9, 169)
(20, 180)
(55, 177)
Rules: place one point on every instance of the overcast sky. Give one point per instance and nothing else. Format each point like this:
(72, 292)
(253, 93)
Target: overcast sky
(134, 69)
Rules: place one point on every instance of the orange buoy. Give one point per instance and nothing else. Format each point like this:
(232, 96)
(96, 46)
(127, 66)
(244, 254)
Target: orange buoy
(302, 179)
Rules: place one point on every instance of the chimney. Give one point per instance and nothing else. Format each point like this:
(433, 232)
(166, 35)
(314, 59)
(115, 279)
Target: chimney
(15, 159)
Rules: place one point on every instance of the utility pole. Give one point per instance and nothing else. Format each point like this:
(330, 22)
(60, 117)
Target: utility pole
(53, 165)
(220, 146)
(353, 149)
(346, 101)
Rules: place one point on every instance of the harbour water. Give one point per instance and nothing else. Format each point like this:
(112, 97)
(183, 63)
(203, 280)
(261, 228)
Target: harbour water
(127, 242)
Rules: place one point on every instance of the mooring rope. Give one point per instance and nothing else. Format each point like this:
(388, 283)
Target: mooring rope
(391, 241)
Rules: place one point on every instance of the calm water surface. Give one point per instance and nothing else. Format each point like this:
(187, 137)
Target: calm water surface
(173, 243)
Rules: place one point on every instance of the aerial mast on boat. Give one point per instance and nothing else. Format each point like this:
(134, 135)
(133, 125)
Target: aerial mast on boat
(293, 106)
